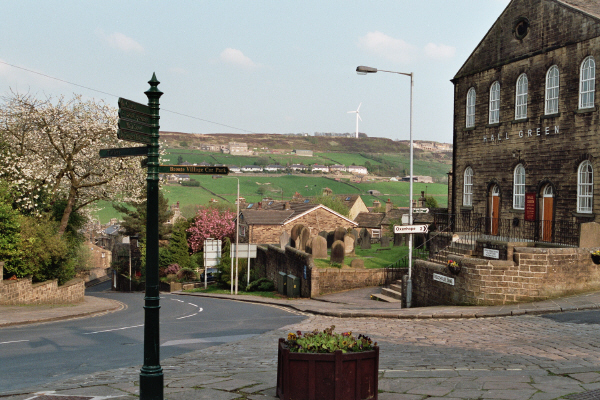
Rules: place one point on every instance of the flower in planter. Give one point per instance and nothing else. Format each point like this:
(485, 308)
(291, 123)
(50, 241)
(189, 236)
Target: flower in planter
(328, 342)
(452, 264)
(596, 253)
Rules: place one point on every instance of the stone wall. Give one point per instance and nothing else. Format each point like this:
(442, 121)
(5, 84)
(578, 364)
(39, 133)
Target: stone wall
(332, 280)
(271, 260)
(22, 291)
(535, 274)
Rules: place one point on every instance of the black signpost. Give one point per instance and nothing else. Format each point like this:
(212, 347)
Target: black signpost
(139, 123)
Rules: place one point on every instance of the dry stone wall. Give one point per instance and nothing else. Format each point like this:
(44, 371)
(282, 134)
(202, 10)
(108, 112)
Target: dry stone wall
(22, 291)
(534, 274)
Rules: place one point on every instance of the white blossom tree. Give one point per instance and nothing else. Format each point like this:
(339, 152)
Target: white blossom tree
(50, 149)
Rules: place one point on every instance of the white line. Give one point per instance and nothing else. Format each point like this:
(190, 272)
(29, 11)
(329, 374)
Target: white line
(191, 315)
(192, 305)
(116, 329)
(181, 301)
(14, 341)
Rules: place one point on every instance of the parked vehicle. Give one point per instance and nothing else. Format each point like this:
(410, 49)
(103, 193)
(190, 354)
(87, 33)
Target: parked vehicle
(211, 274)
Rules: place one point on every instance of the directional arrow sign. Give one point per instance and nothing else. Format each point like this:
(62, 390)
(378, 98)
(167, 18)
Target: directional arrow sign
(133, 106)
(420, 210)
(135, 116)
(192, 169)
(124, 152)
(135, 126)
(411, 229)
(132, 136)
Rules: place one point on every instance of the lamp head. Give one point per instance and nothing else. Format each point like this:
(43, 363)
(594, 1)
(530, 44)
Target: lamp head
(362, 70)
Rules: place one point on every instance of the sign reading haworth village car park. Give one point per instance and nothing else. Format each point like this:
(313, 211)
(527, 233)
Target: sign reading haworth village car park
(139, 123)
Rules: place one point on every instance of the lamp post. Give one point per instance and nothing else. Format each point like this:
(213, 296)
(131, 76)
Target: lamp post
(362, 70)
(237, 238)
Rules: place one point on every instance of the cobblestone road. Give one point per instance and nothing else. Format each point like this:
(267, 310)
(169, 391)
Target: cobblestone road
(524, 357)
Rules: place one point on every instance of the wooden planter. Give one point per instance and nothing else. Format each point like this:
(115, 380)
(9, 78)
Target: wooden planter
(327, 376)
(595, 259)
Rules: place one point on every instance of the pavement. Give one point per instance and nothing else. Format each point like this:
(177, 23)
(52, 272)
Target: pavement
(449, 352)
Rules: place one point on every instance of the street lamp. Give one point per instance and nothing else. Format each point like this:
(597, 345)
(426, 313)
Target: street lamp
(237, 238)
(362, 70)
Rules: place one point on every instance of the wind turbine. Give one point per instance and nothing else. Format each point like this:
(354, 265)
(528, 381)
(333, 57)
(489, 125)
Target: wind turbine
(357, 118)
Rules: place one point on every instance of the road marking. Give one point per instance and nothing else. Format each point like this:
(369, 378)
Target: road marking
(181, 301)
(14, 341)
(116, 329)
(217, 339)
(192, 305)
(191, 315)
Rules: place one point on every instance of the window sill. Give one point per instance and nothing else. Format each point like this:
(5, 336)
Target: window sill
(549, 116)
(519, 121)
(493, 125)
(466, 208)
(472, 128)
(583, 215)
(517, 211)
(586, 110)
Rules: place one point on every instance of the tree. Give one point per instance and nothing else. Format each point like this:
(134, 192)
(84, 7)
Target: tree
(10, 239)
(134, 217)
(51, 148)
(431, 202)
(178, 245)
(180, 159)
(334, 203)
(210, 223)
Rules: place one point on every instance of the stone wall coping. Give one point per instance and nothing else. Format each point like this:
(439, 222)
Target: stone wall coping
(542, 250)
(72, 282)
(272, 247)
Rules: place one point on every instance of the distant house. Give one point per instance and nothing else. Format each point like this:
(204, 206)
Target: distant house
(264, 223)
(235, 169)
(320, 168)
(304, 153)
(371, 222)
(274, 168)
(205, 164)
(374, 192)
(298, 167)
(337, 168)
(418, 178)
(252, 168)
(357, 169)
(239, 149)
(354, 203)
(182, 177)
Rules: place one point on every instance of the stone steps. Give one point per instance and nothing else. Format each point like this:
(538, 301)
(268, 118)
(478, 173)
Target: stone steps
(393, 294)
(382, 297)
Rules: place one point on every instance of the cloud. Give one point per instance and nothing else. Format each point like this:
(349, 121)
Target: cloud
(236, 57)
(121, 42)
(382, 45)
(439, 51)
(25, 78)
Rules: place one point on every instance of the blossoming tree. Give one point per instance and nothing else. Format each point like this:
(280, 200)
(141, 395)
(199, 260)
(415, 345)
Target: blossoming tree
(210, 223)
(50, 149)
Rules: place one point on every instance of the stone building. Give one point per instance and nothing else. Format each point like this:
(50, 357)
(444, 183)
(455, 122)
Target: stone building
(264, 223)
(526, 128)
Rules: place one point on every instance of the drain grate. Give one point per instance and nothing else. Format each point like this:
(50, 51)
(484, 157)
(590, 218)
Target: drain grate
(591, 395)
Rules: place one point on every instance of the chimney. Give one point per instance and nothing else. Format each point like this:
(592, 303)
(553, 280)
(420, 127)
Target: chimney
(422, 200)
(286, 206)
(388, 205)
(259, 205)
(376, 204)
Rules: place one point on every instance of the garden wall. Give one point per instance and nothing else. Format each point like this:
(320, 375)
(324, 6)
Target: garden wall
(22, 291)
(318, 281)
(534, 274)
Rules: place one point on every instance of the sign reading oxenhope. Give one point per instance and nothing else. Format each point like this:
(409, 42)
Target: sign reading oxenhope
(411, 228)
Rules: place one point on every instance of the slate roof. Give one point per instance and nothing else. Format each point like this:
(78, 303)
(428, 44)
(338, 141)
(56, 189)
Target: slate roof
(273, 212)
(349, 199)
(394, 215)
(591, 7)
(369, 220)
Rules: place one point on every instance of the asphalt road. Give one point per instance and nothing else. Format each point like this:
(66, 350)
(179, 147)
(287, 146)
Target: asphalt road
(35, 354)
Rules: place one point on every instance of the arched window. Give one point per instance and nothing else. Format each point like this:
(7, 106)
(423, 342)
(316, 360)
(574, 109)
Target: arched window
(495, 103)
(519, 188)
(552, 81)
(585, 187)
(468, 187)
(521, 98)
(471, 108)
(587, 83)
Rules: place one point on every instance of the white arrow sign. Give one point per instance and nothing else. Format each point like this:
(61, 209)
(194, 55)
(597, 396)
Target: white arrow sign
(411, 229)
(420, 210)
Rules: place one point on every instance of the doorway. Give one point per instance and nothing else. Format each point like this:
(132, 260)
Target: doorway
(547, 212)
(494, 208)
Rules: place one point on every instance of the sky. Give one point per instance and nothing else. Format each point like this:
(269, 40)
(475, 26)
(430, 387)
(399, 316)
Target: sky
(252, 66)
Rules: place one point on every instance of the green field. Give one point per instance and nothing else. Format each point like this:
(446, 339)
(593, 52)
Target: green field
(283, 187)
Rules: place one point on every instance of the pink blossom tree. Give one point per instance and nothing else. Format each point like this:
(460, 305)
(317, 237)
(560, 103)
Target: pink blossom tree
(210, 223)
